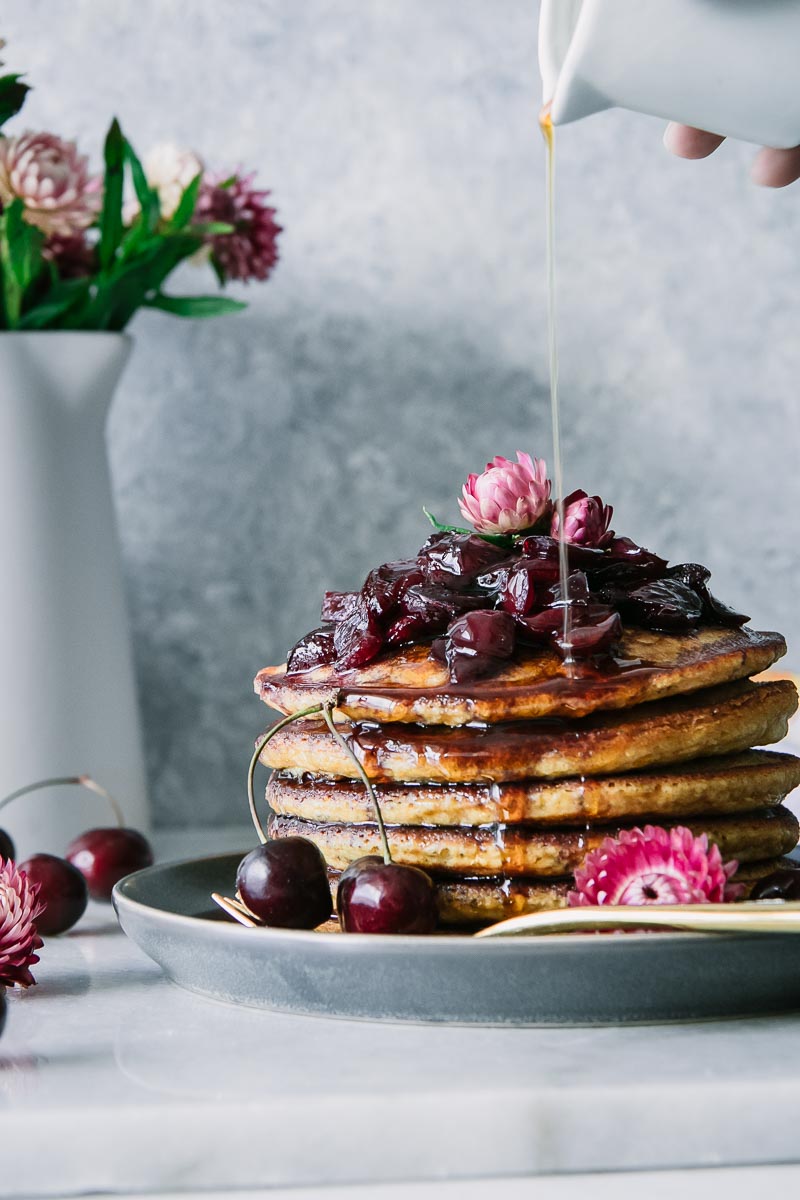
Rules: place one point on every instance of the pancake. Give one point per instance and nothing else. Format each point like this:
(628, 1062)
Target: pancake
(474, 902)
(412, 686)
(755, 779)
(718, 721)
(520, 850)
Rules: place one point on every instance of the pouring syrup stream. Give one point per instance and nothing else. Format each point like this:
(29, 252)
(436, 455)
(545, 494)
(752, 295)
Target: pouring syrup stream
(546, 126)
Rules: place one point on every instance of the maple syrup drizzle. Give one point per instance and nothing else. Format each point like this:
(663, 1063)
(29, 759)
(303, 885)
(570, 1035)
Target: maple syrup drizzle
(546, 126)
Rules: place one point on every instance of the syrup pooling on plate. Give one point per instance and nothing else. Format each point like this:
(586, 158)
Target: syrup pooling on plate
(546, 125)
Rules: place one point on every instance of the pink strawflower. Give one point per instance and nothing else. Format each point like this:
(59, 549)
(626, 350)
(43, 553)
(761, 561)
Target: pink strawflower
(508, 496)
(52, 179)
(655, 866)
(586, 521)
(251, 251)
(19, 908)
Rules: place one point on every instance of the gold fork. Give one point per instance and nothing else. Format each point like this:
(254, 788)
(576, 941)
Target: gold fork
(762, 916)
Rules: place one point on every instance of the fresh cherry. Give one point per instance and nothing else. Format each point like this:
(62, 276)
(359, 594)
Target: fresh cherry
(7, 850)
(379, 897)
(62, 890)
(780, 885)
(285, 883)
(104, 856)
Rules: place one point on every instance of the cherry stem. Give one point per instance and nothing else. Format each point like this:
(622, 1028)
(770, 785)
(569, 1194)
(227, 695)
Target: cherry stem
(327, 712)
(68, 781)
(260, 744)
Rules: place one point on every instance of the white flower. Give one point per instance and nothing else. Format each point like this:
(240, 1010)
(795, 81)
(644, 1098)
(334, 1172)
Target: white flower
(169, 170)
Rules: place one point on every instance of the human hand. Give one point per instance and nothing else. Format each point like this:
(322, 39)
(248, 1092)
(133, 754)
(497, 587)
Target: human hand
(771, 168)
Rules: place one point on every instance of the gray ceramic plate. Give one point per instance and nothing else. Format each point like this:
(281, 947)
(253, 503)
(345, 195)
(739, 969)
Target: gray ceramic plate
(575, 979)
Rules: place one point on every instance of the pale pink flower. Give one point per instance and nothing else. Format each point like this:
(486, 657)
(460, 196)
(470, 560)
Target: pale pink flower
(586, 521)
(251, 251)
(508, 496)
(19, 908)
(52, 179)
(655, 866)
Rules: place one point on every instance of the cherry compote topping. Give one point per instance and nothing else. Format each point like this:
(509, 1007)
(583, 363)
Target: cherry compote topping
(459, 583)
(666, 605)
(379, 897)
(62, 890)
(285, 883)
(316, 649)
(780, 885)
(7, 849)
(477, 642)
(104, 856)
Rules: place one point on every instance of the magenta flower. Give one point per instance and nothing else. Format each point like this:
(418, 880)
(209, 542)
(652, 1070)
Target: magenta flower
(53, 181)
(251, 251)
(655, 866)
(74, 257)
(586, 521)
(19, 908)
(508, 496)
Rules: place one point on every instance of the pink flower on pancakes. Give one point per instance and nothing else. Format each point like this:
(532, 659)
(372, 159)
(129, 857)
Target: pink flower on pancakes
(655, 866)
(508, 497)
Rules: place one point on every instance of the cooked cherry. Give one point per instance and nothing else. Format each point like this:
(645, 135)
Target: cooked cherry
(381, 593)
(696, 577)
(410, 628)
(337, 605)
(379, 897)
(623, 548)
(357, 639)
(104, 856)
(541, 547)
(316, 649)
(591, 637)
(7, 850)
(577, 589)
(285, 883)
(62, 890)
(476, 643)
(780, 885)
(457, 559)
(540, 627)
(665, 605)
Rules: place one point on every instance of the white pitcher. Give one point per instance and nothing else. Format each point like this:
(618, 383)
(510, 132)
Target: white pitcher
(729, 66)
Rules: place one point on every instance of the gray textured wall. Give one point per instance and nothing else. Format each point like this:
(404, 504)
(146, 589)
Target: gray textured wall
(261, 458)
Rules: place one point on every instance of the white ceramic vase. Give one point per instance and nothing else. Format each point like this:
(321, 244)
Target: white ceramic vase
(67, 687)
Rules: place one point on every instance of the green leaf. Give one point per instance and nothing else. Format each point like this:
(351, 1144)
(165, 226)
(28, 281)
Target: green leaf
(12, 96)
(111, 216)
(20, 258)
(57, 303)
(218, 271)
(497, 539)
(128, 285)
(195, 306)
(187, 204)
(147, 196)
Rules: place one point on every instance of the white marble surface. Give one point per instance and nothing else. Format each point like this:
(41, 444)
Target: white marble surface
(114, 1080)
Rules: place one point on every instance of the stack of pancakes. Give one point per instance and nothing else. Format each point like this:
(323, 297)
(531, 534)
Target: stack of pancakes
(499, 788)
